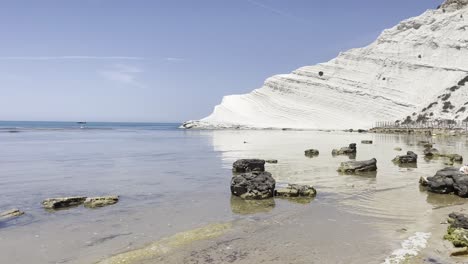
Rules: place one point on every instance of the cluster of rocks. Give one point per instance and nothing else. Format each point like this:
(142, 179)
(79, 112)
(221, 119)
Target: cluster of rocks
(251, 182)
(90, 202)
(447, 181)
(430, 152)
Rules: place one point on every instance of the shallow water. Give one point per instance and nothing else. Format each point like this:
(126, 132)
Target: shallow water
(174, 180)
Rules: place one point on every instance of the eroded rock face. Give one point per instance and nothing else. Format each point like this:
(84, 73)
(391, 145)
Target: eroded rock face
(449, 180)
(248, 165)
(253, 185)
(351, 149)
(10, 214)
(63, 202)
(358, 166)
(296, 190)
(94, 202)
(410, 157)
(311, 153)
(430, 59)
(454, 4)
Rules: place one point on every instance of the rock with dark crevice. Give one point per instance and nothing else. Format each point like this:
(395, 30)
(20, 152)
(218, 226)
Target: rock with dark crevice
(253, 185)
(248, 165)
(63, 202)
(358, 166)
(410, 157)
(351, 149)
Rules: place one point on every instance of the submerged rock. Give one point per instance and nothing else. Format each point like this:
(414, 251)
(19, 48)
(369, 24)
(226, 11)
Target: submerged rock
(63, 202)
(351, 149)
(457, 232)
(453, 157)
(245, 207)
(398, 149)
(410, 157)
(248, 165)
(358, 166)
(449, 180)
(311, 153)
(253, 185)
(94, 202)
(296, 190)
(431, 152)
(10, 214)
(273, 161)
(367, 141)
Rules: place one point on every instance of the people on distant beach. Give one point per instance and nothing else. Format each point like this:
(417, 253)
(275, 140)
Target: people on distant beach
(464, 169)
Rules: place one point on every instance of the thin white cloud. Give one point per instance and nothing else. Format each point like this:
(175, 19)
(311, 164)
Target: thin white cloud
(174, 59)
(72, 58)
(123, 74)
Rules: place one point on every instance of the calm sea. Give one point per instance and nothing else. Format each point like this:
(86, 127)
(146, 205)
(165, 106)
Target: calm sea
(172, 180)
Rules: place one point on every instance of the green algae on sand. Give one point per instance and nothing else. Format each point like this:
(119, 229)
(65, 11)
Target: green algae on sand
(168, 244)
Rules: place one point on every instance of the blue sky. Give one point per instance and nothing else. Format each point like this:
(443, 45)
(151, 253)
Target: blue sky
(168, 60)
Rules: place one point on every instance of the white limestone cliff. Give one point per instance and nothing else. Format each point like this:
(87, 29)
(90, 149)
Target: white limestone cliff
(401, 73)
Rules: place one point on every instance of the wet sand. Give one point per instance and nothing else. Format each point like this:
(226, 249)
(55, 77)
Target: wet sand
(179, 181)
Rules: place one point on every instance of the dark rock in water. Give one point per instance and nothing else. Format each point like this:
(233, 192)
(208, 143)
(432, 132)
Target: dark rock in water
(362, 131)
(449, 180)
(65, 202)
(94, 202)
(410, 157)
(253, 185)
(457, 232)
(10, 214)
(351, 149)
(428, 145)
(296, 190)
(458, 220)
(248, 165)
(367, 141)
(271, 161)
(398, 149)
(423, 142)
(431, 152)
(358, 166)
(311, 152)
